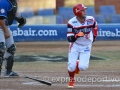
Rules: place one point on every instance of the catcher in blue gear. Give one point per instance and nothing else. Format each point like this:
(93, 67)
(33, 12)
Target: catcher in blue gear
(8, 9)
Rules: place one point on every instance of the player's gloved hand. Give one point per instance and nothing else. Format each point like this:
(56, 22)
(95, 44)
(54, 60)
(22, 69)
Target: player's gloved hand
(21, 21)
(71, 38)
(80, 34)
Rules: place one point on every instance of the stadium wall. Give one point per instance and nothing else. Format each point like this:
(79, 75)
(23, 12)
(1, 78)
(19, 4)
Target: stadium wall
(30, 33)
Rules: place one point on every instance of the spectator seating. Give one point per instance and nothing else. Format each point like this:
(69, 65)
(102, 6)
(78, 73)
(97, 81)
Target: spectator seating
(26, 12)
(103, 10)
(107, 11)
(90, 11)
(59, 19)
(65, 12)
(100, 18)
(115, 19)
(41, 20)
(107, 14)
(45, 12)
(34, 20)
(49, 19)
(71, 16)
(112, 9)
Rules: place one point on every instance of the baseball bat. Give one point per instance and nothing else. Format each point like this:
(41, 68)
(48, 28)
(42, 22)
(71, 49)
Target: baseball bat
(41, 81)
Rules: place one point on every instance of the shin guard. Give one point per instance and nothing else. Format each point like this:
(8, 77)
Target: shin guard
(2, 51)
(9, 64)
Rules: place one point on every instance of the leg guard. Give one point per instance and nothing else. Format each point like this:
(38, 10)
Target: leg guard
(2, 51)
(11, 49)
(9, 64)
(10, 60)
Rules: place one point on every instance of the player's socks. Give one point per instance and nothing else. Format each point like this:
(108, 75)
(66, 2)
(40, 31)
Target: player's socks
(77, 70)
(71, 82)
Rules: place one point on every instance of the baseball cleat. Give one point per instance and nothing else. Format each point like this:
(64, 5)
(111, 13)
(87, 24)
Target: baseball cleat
(71, 83)
(70, 87)
(12, 74)
(77, 71)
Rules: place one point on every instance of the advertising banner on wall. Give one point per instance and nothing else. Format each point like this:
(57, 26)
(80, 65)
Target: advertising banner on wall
(58, 32)
(39, 33)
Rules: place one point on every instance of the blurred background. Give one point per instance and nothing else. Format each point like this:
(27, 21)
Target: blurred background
(60, 11)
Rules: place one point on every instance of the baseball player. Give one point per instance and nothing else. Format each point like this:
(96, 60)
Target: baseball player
(81, 33)
(8, 9)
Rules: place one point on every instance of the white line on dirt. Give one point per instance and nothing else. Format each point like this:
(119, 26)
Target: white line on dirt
(97, 85)
(59, 72)
(77, 85)
(110, 80)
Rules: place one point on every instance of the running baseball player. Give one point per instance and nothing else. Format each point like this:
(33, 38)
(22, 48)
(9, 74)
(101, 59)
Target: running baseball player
(8, 9)
(81, 33)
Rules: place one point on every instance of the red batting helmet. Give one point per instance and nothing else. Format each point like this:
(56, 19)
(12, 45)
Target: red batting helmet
(77, 9)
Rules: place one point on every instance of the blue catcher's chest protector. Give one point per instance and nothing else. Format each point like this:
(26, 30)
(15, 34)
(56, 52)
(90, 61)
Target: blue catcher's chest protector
(8, 9)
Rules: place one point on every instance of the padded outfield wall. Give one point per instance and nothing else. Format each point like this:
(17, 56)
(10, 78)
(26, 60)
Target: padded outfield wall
(57, 32)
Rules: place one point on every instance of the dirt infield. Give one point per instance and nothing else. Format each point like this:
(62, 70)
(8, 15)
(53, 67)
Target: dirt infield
(101, 74)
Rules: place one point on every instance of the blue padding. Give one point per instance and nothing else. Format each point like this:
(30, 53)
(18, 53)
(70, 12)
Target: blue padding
(58, 32)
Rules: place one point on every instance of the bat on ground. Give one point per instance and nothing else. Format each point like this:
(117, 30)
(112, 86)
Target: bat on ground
(41, 81)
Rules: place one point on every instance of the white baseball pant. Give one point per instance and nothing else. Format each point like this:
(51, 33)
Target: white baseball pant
(78, 52)
(8, 41)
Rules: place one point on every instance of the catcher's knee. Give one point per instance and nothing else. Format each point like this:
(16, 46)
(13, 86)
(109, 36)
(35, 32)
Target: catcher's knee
(83, 67)
(12, 49)
(2, 47)
(2, 51)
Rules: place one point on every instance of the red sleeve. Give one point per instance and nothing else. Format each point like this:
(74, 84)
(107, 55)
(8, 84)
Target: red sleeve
(95, 29)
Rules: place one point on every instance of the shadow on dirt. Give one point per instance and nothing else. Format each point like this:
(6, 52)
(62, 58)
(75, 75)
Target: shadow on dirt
(27, 58)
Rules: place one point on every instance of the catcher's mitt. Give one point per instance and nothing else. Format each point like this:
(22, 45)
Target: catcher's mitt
(21, 21)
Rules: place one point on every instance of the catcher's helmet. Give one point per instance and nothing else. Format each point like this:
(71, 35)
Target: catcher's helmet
(77, 9)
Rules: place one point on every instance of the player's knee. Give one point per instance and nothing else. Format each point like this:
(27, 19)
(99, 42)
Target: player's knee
(71, 67)
(83, 67)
